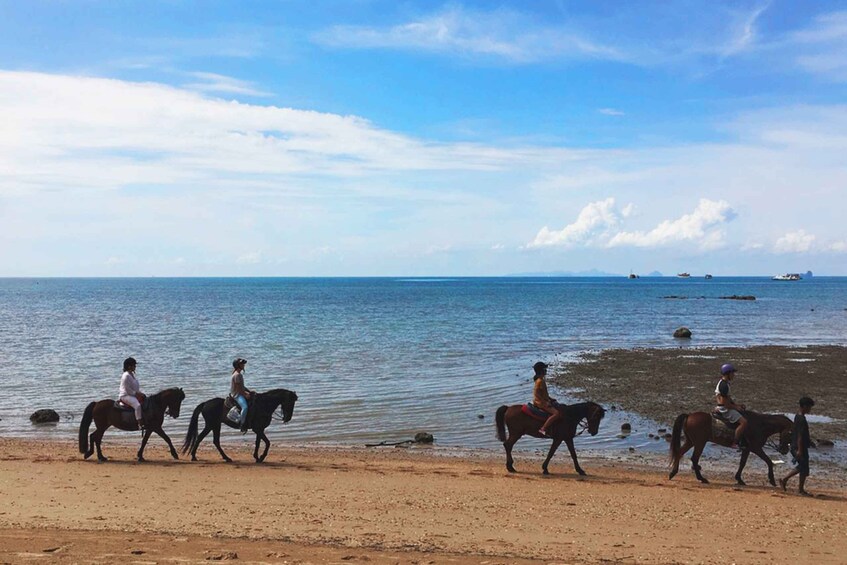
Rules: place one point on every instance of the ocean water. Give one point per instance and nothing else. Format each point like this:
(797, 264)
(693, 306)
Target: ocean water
(371, 359)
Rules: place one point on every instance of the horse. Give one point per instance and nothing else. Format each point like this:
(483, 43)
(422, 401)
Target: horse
(520, 423)
(697, 427)
(105, 414)
(260, 414)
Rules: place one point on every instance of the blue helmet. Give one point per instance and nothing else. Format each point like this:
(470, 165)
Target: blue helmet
(727, 368)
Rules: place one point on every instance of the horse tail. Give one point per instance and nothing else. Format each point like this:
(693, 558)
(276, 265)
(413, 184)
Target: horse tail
(191, 435)
(501, 422)
(87, 416)
(676, 436)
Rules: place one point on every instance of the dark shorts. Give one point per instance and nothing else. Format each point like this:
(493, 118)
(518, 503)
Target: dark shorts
(802, 464)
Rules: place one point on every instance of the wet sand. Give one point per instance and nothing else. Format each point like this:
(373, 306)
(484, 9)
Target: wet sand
(393, 506)
(662, 383)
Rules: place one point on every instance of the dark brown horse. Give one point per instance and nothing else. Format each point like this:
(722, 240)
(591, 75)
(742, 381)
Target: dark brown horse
(259, 414)
(520, 424)
(698, 428)
(105, 414)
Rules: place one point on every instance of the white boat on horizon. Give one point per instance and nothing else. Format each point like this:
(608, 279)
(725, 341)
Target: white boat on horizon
(683, 275)
(788, 277)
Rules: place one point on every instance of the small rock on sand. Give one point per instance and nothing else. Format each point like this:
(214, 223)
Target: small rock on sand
(626, 427)
(424, 437)
(682, 332)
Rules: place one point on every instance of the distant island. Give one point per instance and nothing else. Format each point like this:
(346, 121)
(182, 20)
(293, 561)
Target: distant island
(588, 273)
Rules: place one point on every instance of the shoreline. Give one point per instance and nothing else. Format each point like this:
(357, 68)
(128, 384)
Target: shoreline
(390, 505)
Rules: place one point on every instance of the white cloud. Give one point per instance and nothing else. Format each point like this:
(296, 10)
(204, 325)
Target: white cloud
(794, 242)
(252, 258)
(213, 82)
(821, 48)
(593, 222)
(611, 112)
(700, 226)
(494, 34)
(838, 247)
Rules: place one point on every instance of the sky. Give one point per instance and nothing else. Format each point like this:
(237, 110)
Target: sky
(397, 138)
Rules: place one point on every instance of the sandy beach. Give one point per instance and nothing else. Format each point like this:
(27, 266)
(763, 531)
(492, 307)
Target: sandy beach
(342, 505)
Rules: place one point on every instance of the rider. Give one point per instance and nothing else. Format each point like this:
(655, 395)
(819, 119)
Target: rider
(541, 398)
(727, 407)
(238, 391)
(130, 393)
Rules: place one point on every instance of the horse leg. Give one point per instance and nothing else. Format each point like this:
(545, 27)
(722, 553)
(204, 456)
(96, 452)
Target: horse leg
(764, 457)
(744, 455)
(144, 439)
(96, 438)
(682, 451)
(256, 449)
(161, 433)
(510, 463)
(695, 462)
(267, 446)
(216, 438)
(197, 441)
(569, 442)
(553, 448)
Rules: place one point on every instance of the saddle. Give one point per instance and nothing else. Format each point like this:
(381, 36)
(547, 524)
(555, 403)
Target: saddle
(722, 429)
(232, 410)
(537, 413)
(127, 413)
(719, 416)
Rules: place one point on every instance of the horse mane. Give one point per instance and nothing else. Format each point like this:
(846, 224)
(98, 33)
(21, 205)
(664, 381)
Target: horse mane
(164, 390)
(772, 419)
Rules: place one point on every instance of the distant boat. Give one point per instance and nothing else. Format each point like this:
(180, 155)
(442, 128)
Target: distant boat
(708, 276)
(683, 275)
(632, 275)
(788, 277)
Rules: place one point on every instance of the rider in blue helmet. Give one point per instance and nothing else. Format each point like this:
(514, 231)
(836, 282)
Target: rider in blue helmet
(727, 407)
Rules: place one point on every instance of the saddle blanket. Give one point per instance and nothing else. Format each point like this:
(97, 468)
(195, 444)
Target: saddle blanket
(534, 412)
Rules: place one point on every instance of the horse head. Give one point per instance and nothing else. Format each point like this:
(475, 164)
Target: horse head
(287, 405)
(172, 399)
(595, 415)
(785, 435)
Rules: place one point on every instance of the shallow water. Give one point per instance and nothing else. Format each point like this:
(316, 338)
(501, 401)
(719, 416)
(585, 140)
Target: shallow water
(372, 359)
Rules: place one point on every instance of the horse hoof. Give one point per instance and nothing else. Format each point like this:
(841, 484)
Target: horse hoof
(175, 456)
(511, 469)
(740, 483)
(87, 455)
(704, 481)
(194, 459)
(546, 472)
(671, 475)
(227, 460)
(102, 459)
(582, 473)
(142, 460)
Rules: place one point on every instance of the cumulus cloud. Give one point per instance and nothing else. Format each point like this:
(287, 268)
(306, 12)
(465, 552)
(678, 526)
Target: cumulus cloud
(592, 223)
(838, 247)
(794, 242)
(701, 227)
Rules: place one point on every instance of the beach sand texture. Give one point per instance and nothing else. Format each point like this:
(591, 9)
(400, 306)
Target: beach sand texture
(393, 506)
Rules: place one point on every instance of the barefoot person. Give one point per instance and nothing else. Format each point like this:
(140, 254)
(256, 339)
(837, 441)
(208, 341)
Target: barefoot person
(238, 391)
(130, 393)
(729, 410)
(541, 398)
(800, 446)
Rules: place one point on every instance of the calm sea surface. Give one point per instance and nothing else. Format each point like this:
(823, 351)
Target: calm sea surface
(370, 359)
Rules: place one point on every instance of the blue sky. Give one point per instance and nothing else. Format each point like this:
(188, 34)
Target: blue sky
(418, 138)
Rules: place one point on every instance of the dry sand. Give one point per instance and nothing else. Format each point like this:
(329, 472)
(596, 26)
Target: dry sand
(393, 506)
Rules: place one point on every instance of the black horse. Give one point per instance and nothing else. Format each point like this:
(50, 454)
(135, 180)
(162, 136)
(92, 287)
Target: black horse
(519, 424)
(105, 414)
(260, 414)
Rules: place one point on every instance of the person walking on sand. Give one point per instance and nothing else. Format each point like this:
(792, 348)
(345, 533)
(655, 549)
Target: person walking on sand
(238, 391)
(727, 408)
(541, 398)
(130, 392)
(800, 443)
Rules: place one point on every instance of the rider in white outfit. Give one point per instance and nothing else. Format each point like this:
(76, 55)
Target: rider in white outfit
(130, 393)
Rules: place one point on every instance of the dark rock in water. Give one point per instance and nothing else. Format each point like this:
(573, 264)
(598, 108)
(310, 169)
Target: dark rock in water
(424, 437)
(739, 297)
(615, 407)
(651, 436)
(631, 449)
(682, 332)
(661, 430)
(825, 443)
(626, 427)
(668, 437)
(44, 416)
(622, 436)
(481, 416)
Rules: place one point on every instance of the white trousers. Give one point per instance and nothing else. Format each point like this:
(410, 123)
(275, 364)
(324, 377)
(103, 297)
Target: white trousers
(132, 401)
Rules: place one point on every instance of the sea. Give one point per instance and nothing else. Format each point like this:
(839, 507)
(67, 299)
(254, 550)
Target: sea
(373, 359)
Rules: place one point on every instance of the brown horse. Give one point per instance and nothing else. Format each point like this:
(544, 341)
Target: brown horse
(563, 430)
(105, 414)
(697, 427)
